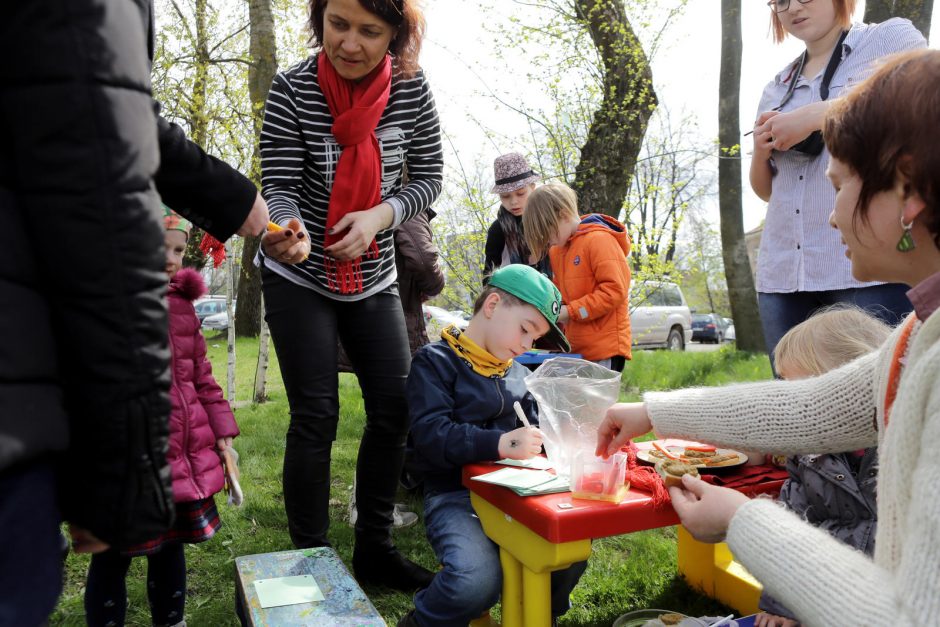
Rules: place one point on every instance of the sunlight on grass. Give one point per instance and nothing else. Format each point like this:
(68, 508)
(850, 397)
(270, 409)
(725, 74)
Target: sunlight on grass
(625, 573)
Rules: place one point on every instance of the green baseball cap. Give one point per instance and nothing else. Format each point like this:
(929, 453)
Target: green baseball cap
(531, 286)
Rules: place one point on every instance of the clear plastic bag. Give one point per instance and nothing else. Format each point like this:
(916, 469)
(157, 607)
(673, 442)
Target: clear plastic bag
(573, 396)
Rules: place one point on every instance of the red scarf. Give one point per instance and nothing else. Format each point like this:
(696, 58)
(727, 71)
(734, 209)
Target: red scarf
(356, 109)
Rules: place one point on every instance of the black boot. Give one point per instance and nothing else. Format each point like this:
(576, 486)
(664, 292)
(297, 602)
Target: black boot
(385, 566)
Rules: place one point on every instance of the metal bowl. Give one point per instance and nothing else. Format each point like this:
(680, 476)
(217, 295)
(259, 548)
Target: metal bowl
(650, 618)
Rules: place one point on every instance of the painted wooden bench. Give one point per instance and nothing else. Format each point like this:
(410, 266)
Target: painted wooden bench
(344, 604)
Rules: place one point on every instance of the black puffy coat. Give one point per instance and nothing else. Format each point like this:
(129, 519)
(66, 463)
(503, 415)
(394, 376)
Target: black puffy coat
(83, 324)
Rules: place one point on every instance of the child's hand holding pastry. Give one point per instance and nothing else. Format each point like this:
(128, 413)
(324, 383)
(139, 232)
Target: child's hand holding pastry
(522, 443)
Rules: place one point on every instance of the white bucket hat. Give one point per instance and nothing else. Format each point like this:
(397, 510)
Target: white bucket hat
(512, 172)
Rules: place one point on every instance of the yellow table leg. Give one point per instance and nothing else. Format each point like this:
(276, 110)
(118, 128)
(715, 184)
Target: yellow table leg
(696, 562)
(712, 569)
(512, 588)
(538, 558)
(538, 598)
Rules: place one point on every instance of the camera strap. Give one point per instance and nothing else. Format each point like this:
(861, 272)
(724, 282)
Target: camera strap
(834, 61)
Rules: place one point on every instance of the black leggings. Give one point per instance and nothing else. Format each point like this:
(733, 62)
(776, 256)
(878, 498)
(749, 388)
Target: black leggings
(304, 327)
(106, 592)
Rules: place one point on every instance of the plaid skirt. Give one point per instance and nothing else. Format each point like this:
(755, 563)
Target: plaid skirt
(196, 521)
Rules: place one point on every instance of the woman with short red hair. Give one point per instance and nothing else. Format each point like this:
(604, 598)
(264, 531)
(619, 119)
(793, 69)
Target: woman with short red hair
(885, 169)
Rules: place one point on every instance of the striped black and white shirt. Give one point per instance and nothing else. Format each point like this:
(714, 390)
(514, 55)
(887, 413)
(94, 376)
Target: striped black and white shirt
(299, 156)
(799, 251)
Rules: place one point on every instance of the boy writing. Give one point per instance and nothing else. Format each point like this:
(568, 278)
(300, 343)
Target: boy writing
(588, 256)
(460, 395)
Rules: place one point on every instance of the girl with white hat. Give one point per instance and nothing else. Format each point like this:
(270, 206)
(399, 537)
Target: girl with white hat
(505, 243)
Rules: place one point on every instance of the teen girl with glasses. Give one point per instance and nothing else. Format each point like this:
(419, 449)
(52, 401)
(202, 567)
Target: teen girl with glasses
(802, 265)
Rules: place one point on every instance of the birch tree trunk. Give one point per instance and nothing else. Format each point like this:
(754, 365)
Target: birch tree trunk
(261, 71)
(741, 293)
(229, 306)
(261, 370)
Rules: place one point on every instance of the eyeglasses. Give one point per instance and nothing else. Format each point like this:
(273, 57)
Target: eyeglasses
(779, 6)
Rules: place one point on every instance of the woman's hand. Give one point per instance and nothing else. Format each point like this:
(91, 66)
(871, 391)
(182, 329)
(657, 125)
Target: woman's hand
(563, 314)
(704, 509)
(772, 620)
(83, 541)
(622, 422)
(521, 443)
(257, 219)
(362, 227)
(290, 245)
(223, 443)
(790, 128)
(763, 138)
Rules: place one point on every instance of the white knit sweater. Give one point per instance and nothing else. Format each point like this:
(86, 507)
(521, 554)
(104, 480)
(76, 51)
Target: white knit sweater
(823, 581)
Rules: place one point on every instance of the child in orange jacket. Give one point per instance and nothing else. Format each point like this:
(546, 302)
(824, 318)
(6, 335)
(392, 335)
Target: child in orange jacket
(588, 256)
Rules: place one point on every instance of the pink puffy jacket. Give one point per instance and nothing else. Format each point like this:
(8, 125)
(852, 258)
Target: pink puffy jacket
(199, 414)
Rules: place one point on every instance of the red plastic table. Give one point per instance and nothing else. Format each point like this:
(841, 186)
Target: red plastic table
(536, 536)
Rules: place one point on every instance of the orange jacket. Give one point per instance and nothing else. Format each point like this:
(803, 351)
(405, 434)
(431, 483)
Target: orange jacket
(591, 272)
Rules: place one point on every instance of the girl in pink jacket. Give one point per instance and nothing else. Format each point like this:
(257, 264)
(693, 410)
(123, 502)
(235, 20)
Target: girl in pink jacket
(201, 427)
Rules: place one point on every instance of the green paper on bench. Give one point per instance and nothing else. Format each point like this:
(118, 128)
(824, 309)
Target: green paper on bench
(287, 591)
(344, 603)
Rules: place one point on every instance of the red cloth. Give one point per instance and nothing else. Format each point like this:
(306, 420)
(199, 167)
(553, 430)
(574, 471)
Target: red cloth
(356, 110)
(744, 476)
(211, 247)
(645, 477)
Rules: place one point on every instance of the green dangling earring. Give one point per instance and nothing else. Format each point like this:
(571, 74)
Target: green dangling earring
(906, 243)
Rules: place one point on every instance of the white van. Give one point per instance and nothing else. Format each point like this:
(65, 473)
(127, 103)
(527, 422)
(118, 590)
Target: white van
(659, 316)
(209, 306)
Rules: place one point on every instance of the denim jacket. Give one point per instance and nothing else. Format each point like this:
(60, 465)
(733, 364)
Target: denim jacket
(829, 493)
(457, 416)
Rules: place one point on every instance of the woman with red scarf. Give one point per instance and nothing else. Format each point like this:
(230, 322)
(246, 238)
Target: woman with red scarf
(340, 130)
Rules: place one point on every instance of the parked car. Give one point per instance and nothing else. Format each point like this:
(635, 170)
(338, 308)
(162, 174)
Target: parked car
(209, 306)
(708, 327)
(729, 330)
(436, 318)
(463, 315)
(219, 321)
(659, 316)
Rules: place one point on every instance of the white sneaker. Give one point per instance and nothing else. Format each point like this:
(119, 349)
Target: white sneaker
(401, 516)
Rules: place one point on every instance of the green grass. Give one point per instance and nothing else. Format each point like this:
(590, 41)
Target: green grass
(625, 573)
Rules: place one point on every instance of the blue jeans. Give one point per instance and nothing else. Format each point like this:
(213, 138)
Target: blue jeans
(472, 577)
(30, 545)
(781, 312)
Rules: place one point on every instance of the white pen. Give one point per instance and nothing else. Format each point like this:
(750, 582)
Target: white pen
(521, 414)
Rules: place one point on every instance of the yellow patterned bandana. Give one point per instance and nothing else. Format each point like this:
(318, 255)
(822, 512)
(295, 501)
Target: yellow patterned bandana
(482, 362)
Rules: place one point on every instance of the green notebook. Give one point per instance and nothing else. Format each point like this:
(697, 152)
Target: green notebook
(525, 482)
